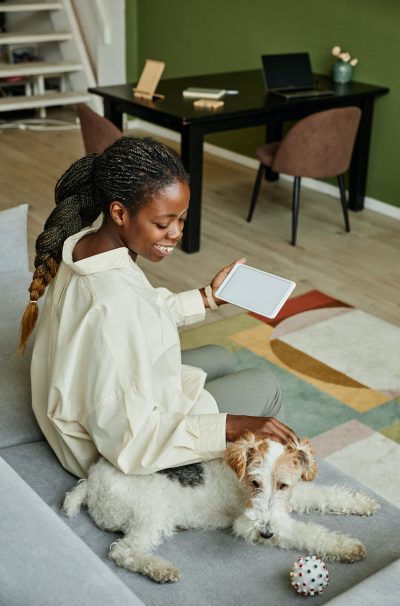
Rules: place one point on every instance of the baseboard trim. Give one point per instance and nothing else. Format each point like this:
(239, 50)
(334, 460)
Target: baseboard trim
(326, 188)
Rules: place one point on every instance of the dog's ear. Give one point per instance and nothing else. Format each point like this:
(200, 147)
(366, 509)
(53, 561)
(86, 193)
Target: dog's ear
(236, 458)
(307, 457)
(238, 453)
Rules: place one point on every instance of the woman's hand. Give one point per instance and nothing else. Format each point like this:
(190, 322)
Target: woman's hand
(217, 281)
(262, 427)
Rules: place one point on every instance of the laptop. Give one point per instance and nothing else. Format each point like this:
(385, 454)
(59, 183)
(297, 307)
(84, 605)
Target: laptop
(290, 76)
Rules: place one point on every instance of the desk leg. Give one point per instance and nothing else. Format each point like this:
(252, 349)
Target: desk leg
(111, 113)
(192, 157)
(273, 133)
(359, 161)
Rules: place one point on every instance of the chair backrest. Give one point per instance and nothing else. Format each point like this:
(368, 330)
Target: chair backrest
(97, 132)
(319, 145)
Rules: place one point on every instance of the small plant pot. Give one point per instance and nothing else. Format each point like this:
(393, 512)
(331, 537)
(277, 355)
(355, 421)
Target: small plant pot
(342, 72)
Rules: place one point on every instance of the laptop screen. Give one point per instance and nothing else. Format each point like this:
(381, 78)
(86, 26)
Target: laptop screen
(287, 71)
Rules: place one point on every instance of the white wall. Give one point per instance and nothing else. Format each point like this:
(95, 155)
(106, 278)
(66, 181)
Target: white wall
(102, 24)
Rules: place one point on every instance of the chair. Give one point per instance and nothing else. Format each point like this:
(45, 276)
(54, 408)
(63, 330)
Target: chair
(318, 146)
(97, 132)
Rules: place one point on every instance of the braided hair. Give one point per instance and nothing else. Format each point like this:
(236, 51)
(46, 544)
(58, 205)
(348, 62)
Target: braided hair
(131, 171)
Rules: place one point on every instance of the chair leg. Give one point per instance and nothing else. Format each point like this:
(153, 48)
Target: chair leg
(295, 208)
(256, 191)
(343, 201)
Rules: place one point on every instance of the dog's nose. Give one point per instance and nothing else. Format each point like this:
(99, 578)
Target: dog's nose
(266, 534)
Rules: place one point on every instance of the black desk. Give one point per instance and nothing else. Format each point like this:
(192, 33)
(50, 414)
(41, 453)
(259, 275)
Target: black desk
(252, 107)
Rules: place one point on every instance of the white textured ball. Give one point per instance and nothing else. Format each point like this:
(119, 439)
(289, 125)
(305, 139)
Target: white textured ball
(309, 575)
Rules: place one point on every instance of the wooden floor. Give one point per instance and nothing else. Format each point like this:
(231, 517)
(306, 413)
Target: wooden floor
(361, 268)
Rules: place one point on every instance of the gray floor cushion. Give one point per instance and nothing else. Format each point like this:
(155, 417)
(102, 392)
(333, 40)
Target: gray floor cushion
(13, 239)
(44, 563)
(18, 424)
(217, 568)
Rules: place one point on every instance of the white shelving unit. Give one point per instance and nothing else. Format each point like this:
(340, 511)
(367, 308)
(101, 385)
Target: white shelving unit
(63, 72)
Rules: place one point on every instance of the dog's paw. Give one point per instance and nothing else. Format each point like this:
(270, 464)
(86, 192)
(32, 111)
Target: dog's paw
(354, 553)
(246, 529)
(148, 565)
(163, 573)
(364, 505)
(71, 505)
(348, 550)
(157, 569)
(350, 502)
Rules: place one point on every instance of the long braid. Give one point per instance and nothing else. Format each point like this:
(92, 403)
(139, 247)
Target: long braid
(76, 207)
(131, 170)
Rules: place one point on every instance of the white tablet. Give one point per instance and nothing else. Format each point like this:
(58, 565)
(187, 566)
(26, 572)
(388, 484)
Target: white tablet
(255, 290)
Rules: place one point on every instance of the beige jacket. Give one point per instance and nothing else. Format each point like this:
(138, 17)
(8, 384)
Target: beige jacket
(106, 370)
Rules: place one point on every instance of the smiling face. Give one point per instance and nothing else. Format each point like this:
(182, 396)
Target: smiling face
(155, 230)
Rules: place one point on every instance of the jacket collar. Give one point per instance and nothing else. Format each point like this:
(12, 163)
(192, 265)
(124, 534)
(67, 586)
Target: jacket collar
(112, 259)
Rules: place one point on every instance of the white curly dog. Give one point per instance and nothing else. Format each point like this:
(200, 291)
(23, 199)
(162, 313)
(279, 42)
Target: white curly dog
(252, 490)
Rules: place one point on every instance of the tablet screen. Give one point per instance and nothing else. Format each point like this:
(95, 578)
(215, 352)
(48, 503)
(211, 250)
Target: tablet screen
(255, 290)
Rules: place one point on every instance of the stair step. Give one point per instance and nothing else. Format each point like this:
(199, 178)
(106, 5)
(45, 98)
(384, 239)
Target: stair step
(26, 38)
(46, 100)
(38, 68)
(11, 7)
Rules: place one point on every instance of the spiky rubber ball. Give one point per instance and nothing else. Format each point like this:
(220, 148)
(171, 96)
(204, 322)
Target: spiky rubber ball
(309, 575)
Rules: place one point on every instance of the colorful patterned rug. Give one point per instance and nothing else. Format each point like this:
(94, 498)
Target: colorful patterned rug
(340, 373)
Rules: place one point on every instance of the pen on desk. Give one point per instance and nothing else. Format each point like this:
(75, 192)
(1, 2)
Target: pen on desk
(231, 92)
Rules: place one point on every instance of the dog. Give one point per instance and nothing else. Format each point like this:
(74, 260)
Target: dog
(252, 490)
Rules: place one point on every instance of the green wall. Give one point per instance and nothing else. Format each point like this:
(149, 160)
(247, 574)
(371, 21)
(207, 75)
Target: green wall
(211, 36)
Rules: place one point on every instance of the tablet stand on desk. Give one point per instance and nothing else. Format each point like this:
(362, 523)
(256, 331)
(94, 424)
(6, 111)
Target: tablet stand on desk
(148, 81)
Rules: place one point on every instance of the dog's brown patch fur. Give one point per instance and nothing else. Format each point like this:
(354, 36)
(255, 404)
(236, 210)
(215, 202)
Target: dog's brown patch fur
(301, 456)
(247, 449)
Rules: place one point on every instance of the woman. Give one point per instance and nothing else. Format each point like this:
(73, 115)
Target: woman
(106, 367)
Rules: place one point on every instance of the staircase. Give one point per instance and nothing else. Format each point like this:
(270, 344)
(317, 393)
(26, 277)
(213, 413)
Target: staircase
(54, 68)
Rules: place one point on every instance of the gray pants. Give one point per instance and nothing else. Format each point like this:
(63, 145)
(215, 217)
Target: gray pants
(253, 391)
